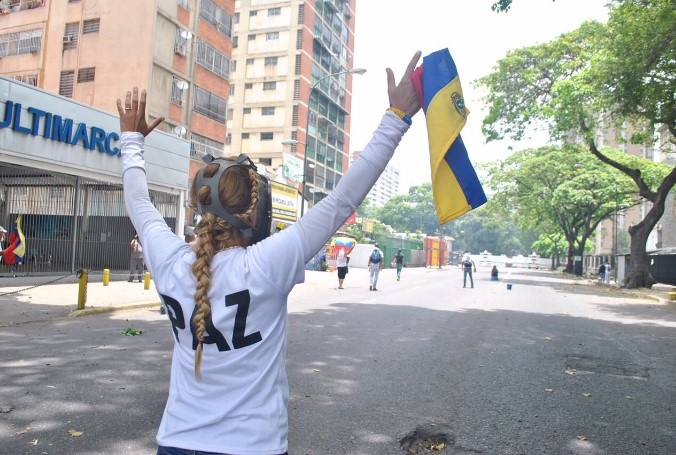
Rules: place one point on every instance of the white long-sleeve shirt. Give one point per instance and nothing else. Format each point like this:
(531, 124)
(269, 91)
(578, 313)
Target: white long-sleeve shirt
(240, 404)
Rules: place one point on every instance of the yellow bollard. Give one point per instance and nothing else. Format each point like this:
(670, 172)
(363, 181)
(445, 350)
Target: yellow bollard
(82, 274)
(146, 281)
(106, 277)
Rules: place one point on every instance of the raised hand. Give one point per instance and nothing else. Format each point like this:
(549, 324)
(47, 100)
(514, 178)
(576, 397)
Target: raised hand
(403, 95)
(133, 115)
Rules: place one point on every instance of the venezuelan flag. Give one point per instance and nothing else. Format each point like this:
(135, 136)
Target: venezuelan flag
(16, 247)
(455, 185)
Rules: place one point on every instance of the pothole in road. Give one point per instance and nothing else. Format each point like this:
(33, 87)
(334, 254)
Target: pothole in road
(432, 439)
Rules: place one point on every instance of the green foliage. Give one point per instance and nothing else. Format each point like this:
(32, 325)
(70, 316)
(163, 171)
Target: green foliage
(559, 191)
(131, 332)
(619, 78)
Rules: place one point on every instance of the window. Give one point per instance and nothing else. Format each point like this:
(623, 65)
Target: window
(184, 4)
(251, 37)
(298, 61)
(233, 65)
(201, 146)
(86, 74)
(249, 61)
(271, 36)
(213, 60)
(270, 85)
(176, 92)
(66, 83)
(236, 19)
(301, 13)
(235, 42)
(25, 42)
(229, 114)
(208, 104)
(246, 110)
(299, 39)
(296, 90)
(216, 16)
(253, 13)
(271, 61)
(232, 90)
(245, 135)
(266, 136)
(267, 110)
(274, 11)
(91, 26)
(228, 139)
(70, 36)
(31, 79)
(248, 85)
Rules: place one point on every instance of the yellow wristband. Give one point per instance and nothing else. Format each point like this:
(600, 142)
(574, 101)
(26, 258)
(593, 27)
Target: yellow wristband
(401, 114)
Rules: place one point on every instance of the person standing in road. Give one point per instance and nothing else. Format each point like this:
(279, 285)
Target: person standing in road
(136, 260)
(227, 299)
(375, 265)
(494, 273)
(602, 273)
(467, 266)
(341, 265)
(399, 263)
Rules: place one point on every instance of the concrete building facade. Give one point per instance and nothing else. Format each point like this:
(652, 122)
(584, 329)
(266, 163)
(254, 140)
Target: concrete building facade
(290, 80)
(93, 51)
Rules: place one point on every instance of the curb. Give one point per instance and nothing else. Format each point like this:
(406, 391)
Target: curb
(88, 311)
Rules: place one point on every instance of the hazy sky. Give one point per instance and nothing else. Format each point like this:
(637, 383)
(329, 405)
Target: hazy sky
(388, 32)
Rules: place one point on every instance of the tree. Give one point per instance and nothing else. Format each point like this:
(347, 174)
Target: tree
(502, 6)
(411, 212)
(598, 78)
(564, 190)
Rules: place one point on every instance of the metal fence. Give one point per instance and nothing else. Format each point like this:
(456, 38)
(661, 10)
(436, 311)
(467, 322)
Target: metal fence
(69, 222)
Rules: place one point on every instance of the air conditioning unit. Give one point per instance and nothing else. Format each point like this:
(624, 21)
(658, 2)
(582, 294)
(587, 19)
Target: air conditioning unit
(68, 39)
(180, 49)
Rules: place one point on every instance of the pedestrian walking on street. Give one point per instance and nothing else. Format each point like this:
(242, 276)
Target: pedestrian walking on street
(136, 260)
(375, 265)
(399, 263)
(341, 265)
(467, 266)
(607, 274)
(227, 298)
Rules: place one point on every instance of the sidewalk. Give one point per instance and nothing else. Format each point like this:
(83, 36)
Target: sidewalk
(59, 299)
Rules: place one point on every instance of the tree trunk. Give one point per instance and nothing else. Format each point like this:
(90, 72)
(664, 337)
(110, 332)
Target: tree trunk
(639, 276)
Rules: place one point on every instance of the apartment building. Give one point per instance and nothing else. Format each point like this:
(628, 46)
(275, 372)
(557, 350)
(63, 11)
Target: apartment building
(291, 81)
(386, 187)
(94, 50)
(59, 155)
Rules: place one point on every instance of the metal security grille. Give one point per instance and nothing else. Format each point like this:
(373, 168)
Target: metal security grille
(70, 222)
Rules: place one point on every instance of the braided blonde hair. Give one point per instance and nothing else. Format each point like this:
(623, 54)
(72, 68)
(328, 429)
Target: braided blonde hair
(238, 194)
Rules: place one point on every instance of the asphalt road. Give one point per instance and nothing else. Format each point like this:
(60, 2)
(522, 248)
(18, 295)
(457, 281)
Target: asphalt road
(549, 367)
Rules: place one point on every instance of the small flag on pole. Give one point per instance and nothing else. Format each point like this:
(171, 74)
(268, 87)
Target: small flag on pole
(455, 186)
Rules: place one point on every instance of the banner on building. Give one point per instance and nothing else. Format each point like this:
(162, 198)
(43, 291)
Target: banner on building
(284, 202)
(292, 167)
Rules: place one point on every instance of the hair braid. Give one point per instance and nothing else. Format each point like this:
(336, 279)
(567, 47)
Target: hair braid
(201, 268)
(248, 213)
(214, 234)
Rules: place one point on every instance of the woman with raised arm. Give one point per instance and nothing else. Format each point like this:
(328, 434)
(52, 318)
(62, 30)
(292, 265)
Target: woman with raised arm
(227, 298)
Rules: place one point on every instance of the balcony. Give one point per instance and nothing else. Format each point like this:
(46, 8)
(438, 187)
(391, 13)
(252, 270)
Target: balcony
(15, 6)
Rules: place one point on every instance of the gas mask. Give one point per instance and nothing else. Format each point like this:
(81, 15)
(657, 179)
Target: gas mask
(263, 212)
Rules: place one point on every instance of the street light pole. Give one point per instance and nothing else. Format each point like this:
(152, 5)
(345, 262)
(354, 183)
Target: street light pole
(307, 126)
